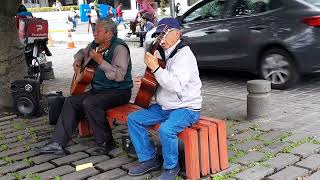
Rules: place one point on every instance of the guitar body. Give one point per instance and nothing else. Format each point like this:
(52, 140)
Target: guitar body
(81, 80)
(85, 74)
(148, 87)
(149, 83)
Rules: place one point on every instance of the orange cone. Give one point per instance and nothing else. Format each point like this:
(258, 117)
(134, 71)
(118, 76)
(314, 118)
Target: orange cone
(70, 43)
(50, 41)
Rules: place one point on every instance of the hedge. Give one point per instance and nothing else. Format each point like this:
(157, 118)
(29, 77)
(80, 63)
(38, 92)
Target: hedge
(48, 9)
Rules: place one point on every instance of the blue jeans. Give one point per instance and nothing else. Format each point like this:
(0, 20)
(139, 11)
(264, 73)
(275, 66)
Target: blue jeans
(172, 123)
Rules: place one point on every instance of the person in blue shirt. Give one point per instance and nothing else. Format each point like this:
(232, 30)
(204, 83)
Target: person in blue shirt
(22, 11)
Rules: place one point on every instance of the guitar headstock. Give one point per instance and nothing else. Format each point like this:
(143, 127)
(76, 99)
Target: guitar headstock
(162, 34)
(158, 39)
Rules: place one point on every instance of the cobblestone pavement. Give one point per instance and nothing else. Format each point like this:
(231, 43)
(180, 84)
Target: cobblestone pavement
(286, 147)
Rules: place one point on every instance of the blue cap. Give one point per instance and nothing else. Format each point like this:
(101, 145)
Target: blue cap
(166, 23)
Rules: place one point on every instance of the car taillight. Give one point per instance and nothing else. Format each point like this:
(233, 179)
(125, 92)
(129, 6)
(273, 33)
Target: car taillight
(312, 21)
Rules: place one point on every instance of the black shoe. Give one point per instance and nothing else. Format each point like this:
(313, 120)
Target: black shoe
(170, 174)
(53, 148)
(103, 149)
(145, 166)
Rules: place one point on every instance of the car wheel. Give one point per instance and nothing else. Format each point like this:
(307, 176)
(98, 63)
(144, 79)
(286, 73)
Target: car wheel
(277, 66)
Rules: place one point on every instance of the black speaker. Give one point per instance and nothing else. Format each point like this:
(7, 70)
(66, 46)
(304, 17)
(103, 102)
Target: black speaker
(26, 97)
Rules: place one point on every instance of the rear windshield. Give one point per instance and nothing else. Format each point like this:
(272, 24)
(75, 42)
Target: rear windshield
(314, 2)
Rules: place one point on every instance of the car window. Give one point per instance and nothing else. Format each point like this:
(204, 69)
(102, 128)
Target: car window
(314, 2)
(211, 10)
(251, 7)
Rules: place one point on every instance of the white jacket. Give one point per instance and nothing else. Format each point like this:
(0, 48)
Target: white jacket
(179, 83)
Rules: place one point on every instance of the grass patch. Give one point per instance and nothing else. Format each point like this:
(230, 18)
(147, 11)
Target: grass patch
(296, 144)
(7, 159)
(27, 147)
(219, 177)
(34, 137)
(18, 126)
(16, 175)
(238, 154)
(1, 136)
(57, 178)
(28, 161)
(20, 138)
(32, 130)
(4, 147)
(33, 176)
(285, 135)
(233, 173)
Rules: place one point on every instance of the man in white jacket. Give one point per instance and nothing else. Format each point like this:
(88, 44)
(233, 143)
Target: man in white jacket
(178, 104)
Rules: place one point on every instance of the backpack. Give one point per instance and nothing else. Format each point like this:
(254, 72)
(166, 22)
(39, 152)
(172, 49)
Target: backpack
(55, 103)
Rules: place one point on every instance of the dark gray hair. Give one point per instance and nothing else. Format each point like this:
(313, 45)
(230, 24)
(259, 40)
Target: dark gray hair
(108, 25)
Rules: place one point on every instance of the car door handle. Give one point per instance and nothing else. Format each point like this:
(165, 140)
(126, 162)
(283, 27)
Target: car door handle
(258, 27)
(210, 31)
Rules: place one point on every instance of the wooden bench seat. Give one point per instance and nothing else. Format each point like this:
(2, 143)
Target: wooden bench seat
(205, 143)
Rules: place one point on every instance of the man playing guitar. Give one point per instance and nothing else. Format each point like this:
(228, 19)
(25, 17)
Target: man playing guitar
(178, 102)
(111, 86)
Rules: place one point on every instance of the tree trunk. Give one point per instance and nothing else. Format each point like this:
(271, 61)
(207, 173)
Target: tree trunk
(12, 60)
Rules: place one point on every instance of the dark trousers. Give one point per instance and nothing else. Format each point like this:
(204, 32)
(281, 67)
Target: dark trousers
(142, 37)
(92, 106)
(93, 27)
(133, 26)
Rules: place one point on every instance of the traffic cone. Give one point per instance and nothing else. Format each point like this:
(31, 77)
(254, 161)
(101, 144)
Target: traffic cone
(70, 43)
(50, 41)
(120, 27)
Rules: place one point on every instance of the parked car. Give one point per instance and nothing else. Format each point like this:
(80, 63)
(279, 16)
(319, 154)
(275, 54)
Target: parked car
(277, 39)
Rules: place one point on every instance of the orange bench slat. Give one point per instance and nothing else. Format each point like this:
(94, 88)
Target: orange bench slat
(222, 140)
(203, 141)
(213, 145)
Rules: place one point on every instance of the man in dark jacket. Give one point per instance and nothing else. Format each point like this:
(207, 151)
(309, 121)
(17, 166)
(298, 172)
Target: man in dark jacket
(111, 86)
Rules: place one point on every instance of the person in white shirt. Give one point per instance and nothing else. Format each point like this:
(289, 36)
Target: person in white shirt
(178, 103)
(177, 9)
(93, 17)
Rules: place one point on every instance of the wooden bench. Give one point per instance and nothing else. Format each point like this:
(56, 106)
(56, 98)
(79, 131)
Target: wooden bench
(205, 143)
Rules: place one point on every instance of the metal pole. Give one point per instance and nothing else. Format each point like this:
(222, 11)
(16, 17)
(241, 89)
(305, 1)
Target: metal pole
(172, 5)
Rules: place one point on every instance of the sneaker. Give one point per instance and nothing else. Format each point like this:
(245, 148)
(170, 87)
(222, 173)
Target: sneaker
(169, 174)
(53, 148)
(145, 166)
(103, 149)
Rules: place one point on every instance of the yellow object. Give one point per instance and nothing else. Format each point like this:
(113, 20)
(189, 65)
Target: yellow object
(50, 41)
(84, 166)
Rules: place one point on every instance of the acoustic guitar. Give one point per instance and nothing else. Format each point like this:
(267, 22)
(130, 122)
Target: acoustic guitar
(83, 77)
(149, 83)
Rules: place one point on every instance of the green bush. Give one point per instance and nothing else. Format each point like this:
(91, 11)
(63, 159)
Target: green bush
(49, 9)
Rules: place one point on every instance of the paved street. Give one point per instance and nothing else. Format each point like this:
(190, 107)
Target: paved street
(284, 148)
